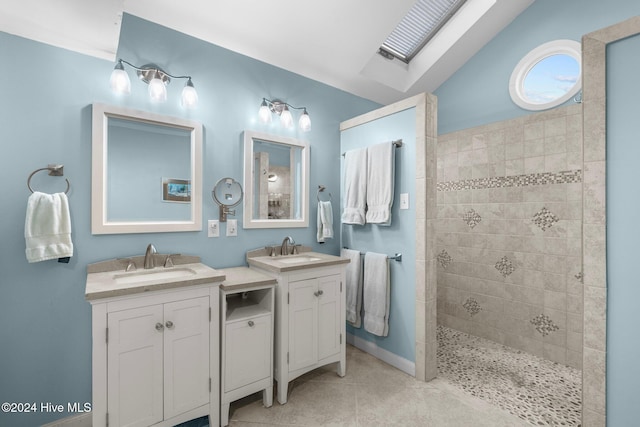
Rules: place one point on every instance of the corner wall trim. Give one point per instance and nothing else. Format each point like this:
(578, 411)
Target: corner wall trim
(386, 356)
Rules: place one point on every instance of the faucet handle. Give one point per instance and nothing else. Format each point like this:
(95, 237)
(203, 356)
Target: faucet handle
(168, 261)
(131, 265)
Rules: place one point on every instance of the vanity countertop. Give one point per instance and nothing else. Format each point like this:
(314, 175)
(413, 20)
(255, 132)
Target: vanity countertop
(283, 264)
(114, 283)
(244, 278)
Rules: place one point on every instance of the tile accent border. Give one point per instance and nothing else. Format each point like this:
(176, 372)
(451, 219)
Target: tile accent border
(545, 178)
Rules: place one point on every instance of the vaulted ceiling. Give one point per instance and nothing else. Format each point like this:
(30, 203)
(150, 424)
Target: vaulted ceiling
(331, 41)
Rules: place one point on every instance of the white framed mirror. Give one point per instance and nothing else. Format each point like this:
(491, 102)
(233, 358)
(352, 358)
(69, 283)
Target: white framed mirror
(146, 172)
(276, 181)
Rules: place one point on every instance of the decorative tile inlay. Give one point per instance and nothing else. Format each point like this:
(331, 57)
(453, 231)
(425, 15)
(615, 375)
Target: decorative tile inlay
(545, 219)
(444, 259)
(564, 177)
(505, 266)
(544, 324)
(472, 306)
(472, 218)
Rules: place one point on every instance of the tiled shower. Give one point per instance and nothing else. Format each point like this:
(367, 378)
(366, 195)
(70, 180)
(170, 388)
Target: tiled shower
(509, 233)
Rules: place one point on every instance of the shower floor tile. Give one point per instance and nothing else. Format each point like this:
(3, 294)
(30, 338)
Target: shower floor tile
(534, 389)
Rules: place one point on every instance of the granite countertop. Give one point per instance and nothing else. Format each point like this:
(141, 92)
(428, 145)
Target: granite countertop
(283, 264)
(105, 282)
(237, 278)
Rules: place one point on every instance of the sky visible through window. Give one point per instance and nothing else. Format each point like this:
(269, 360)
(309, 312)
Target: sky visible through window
(551, 78)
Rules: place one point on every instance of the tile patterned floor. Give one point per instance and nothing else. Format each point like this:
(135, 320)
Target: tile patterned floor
(534, 389)
(371, 394)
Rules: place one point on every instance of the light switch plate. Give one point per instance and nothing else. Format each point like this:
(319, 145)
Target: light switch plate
(213, 226)
(232, 227)
(404, 200)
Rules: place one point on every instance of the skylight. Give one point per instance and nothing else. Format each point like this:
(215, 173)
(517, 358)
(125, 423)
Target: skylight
(421, 23)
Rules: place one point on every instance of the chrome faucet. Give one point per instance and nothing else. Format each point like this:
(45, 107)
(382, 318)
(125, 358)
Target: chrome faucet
(284, 249)
(149, 261)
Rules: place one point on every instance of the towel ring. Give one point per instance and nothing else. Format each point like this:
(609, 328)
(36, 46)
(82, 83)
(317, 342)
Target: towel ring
(54, 170)
(320, 189)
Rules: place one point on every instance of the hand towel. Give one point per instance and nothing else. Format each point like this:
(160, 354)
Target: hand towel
(325, 221)
(353, 287)
(47, 227)
(355, 186)
(380, 183)
(376, 294)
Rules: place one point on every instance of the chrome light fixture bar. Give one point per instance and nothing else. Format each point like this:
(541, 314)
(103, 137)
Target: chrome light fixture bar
(156, 78)
(269, 107)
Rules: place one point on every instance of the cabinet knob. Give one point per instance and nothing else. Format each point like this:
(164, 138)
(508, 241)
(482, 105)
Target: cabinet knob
(251, 323)
(320, 292)
(169, 324)
(159, 326)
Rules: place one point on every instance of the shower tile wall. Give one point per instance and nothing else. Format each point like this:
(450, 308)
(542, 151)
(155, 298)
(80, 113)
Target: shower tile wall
(509, 233)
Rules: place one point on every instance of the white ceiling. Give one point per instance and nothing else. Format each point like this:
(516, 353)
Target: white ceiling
(331, 41)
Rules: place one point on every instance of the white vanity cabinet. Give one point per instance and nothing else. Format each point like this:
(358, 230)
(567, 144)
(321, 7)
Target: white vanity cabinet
(310, 314)
(155, 353)
(247, 305)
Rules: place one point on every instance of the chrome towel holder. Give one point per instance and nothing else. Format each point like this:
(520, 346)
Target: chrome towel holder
(54, 170)
(321, 188)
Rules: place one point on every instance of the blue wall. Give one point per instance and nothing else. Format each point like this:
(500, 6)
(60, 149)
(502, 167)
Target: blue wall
(623, 234)
(45, 341)
(399, 237)
(479, 92)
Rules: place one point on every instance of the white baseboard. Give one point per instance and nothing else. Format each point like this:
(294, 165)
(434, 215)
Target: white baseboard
(83, 420)
(385, 355)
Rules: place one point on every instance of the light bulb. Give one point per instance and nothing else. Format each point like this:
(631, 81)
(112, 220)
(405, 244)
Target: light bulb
(286, 119)
(189, 95)
(119, 81)
(157, 89)
(264, 114)
(305, 121)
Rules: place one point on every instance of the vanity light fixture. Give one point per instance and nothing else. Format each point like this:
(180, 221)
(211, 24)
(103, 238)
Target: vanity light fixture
(156, 78)
(268, 107)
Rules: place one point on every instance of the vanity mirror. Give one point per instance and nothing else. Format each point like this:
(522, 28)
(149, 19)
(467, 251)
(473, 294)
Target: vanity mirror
(276, 181)
(146, 172)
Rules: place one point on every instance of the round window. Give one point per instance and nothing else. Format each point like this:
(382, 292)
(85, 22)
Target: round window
(547, 76)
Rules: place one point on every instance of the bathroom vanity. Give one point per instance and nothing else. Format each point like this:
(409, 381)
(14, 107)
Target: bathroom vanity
(310, 312)
(155, 351)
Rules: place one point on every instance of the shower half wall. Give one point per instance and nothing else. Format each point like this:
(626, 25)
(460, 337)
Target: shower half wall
(509, 233)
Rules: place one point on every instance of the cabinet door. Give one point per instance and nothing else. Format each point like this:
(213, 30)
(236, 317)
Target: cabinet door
(186, 350)
(134, 366)
(303, 323)
(329, 316)
(248, 351)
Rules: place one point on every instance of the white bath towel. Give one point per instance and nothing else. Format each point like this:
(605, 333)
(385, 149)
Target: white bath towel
(353, 287)
(325, 221)
(380, 183)
(355, 186)
(376, 294)
(47, 227)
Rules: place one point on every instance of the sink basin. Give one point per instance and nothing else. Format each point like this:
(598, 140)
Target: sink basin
(298, 259)
(153, 275)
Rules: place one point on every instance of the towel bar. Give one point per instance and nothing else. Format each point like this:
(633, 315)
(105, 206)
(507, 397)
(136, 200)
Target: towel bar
(54, 170)
(397, 257)
(397, 143)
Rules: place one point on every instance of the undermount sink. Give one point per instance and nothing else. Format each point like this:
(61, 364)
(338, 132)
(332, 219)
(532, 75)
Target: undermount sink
(298, 259)
(153, 275)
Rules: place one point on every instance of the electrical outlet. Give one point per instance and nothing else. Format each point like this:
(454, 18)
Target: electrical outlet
(214, 228)
(404, 200)
(232, 227)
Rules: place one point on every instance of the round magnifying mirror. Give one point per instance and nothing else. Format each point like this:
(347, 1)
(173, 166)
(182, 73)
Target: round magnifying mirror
(227, 193)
